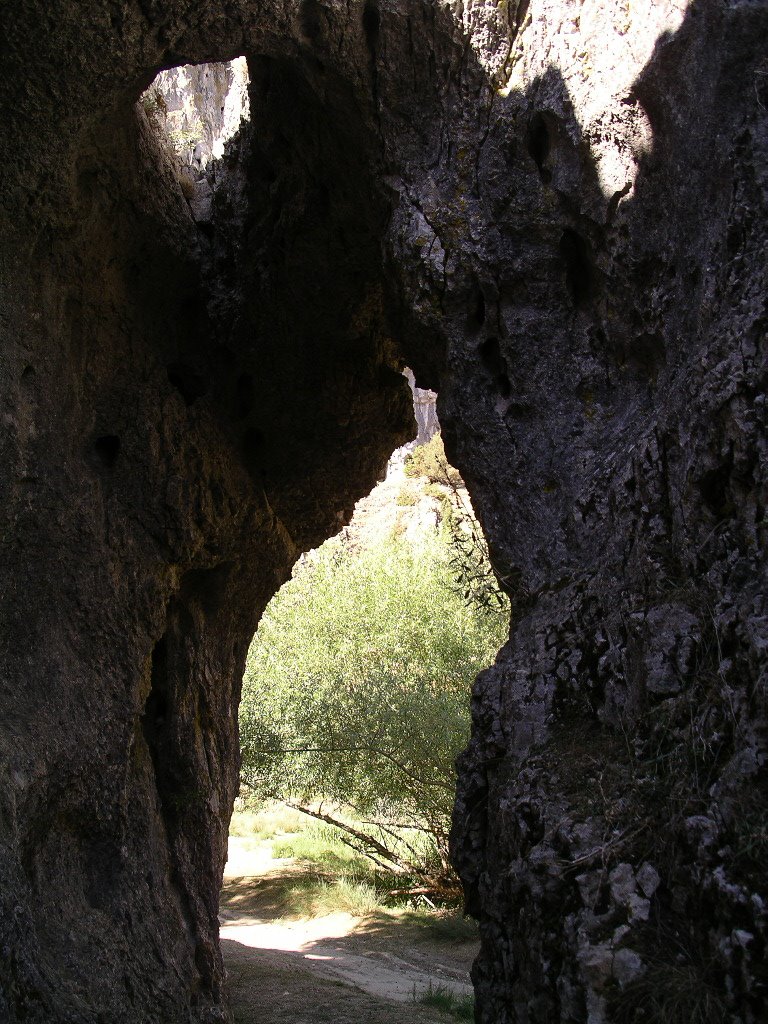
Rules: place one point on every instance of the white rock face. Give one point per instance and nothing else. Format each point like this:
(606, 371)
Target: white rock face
(424, 409)
(199, 107)
(599, 50)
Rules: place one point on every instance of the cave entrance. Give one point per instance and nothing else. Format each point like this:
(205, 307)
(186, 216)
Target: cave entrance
(355, 705)
(295, 346)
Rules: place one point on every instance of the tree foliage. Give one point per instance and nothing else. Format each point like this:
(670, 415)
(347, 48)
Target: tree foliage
(356, 693)
(475, 578)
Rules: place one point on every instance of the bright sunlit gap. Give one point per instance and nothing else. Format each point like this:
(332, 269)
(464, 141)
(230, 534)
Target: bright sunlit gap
(198, 108)
(355, 704)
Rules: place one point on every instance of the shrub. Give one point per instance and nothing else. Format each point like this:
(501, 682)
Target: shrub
(429, 460)
(357, 691)
(407, 497)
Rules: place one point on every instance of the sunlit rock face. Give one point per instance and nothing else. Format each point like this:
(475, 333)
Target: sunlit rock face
(555, 214)
(197, 108)
(424, 410)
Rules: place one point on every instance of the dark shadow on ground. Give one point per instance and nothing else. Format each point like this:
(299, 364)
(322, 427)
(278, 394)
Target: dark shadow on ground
(300, 991)
(336, 967)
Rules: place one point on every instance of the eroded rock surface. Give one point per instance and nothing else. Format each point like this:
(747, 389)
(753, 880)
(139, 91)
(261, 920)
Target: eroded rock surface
(555, 213)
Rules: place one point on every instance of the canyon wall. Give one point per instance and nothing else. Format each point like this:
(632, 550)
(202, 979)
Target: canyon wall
(555, 213)
(196, 109)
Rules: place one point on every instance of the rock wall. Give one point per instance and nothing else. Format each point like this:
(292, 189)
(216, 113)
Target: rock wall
(197, 108)
(168, 415)
(554, 212)
(611, 814)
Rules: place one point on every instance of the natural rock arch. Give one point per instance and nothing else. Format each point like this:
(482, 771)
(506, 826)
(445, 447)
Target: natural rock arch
(579, 267)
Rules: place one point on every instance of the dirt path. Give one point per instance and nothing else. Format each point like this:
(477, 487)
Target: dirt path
(337, 968)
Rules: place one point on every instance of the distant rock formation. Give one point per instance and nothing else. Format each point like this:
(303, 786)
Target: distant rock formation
(199, 107)
(424, 409)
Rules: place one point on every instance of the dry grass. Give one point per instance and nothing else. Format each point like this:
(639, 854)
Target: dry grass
(345, 894)
(272, 820)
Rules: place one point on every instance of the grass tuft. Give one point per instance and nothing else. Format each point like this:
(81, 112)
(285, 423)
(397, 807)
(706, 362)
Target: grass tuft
(314, 896)
(448, 926)
(458, 1005)
(677, 993)
(318, 845)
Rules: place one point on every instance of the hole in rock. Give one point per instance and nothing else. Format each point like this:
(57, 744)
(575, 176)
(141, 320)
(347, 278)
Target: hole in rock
(107, 449)
(648, 353)
(195, 109)
(715, 489)
(576, 254)
(496, 365)
(355, 703)
(252, 447)
(154, 721)
(477, 314)
(371, 23)
(207, 589)
(538, 143)
(244, 395)
(156, 707)
(190, 384)
(311, 15)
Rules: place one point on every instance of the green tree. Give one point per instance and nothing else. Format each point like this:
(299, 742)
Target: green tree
(356, 694)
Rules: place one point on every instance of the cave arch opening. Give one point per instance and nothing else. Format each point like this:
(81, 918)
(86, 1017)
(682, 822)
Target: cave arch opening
(355, 706)
(223, 382)
(196, 109)
(367, 656)
(296, 345)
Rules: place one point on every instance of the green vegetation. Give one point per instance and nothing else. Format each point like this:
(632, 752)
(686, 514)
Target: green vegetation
(313, 896)
(450, 927)
(268, 822)
(179, 138)
(319, 846)
(477, 580)
(326, 876)
(429, 460)
(356, 697)
(407, 497)
(462, 1007)
(154, 104)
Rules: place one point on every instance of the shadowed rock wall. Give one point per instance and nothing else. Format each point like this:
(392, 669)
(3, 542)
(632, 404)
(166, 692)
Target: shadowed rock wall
(611, 816)
(555, 213)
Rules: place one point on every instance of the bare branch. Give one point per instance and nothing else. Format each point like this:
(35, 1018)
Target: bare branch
(399, 864)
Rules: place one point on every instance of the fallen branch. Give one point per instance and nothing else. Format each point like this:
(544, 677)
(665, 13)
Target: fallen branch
(398, 864)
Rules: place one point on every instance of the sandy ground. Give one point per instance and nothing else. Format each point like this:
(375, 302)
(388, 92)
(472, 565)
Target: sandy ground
(336, 968)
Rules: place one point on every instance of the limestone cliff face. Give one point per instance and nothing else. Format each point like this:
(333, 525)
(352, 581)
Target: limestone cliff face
(424, 410)
(197, 108)
(555, 213)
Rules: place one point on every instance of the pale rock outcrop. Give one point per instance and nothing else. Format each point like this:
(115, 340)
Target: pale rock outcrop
(198, 108)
